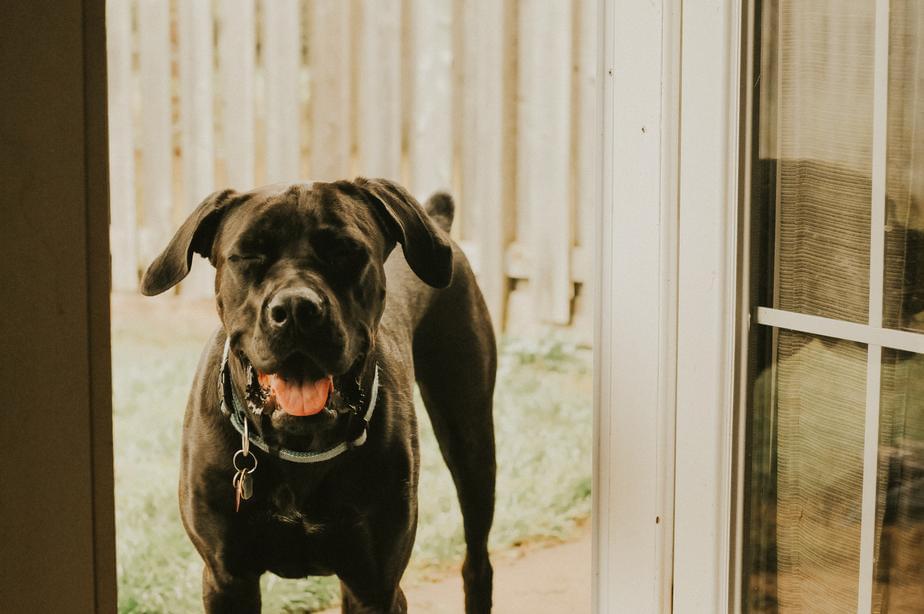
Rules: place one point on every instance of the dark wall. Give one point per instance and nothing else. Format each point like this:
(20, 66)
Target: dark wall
(56, 503)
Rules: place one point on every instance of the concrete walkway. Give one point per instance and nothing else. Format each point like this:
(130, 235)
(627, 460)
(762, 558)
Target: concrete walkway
(554, 579)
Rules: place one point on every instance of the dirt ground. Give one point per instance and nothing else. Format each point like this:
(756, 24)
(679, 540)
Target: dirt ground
(551, 579)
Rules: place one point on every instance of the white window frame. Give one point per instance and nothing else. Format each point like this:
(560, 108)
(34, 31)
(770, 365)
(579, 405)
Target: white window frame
(873, 334)
(672, 312)
(666, 306)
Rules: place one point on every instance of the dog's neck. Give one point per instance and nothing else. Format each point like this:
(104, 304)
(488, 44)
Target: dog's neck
(322, 436)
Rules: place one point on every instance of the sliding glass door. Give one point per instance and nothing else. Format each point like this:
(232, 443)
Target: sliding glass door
(833, 510)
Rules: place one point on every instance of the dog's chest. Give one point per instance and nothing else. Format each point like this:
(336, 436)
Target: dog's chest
(306, 512)
(295, 536)
(304, 519)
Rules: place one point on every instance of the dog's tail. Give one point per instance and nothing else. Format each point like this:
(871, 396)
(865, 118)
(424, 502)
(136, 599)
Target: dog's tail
(442, 209)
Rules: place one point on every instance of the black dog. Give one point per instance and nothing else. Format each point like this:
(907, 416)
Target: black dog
(317, 366)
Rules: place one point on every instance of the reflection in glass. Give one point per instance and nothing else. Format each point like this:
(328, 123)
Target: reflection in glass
(899, 571)
(903, 305)
(810, 205)
(805, 477)
(815, 91)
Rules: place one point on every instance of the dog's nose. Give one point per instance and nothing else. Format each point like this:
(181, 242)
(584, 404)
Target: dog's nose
(301, 307)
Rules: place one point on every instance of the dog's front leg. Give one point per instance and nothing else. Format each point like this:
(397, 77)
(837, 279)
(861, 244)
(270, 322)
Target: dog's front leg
(223, 593)
(229, 584)
(392, 603)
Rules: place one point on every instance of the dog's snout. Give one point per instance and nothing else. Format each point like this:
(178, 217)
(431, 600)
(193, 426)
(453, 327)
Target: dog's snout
(300, 307)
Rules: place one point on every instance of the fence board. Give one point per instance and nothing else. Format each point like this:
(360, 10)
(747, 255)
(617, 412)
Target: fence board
(281, 61)
(485, 145)
(236, 61)
(586, 154)
(494, 100)
(197, 124)
(379, 89)
(331, 80)
(585, 159)
(154, 54)
(431, 105)
(544, 153)
(123, 236)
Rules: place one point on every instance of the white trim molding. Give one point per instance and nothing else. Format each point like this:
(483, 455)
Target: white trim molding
(665, 306)
(708, 206)
(635, 309)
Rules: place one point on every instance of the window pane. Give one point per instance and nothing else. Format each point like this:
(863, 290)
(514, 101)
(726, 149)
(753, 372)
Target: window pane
(815, 127)
(899, 572)
(903, 306)
(804, 479)
(810, 205)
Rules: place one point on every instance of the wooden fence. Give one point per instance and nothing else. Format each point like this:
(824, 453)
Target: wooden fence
(492, 99)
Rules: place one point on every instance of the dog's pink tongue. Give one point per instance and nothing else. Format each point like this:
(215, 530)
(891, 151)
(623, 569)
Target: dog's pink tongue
(301, 398)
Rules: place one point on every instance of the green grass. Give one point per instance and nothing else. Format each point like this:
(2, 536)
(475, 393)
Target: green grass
(543, 428)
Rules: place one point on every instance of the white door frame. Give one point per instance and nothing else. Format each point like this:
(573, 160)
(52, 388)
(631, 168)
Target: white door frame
(666, 306)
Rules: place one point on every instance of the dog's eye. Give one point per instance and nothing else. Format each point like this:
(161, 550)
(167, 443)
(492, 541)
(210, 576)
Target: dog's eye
(341, 254)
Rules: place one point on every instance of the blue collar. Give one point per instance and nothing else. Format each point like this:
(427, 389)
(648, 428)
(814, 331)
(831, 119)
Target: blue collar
(238, 415)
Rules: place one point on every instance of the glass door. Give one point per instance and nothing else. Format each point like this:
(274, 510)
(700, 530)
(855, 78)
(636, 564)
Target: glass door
(833, 509)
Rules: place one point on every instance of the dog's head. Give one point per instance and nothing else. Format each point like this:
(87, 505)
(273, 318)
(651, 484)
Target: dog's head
(300, 281)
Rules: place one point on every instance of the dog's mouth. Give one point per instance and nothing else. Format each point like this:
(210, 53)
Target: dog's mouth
(298, 388)
(296, 397)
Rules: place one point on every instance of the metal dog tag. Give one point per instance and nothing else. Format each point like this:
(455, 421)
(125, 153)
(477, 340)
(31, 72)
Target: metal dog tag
(245, 485)
(242, 480)
(243, 488)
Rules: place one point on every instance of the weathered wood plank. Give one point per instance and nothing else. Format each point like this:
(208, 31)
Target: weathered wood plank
(156, 173)
(518, 263)
(281, 61)
(379, 89)
(123, 235)
(236, 62)
(586, 138)
(586, 144)
(486, 88)
(197, 121)
(330, 56)
(544, 153)
(430, 147)
(517, 78)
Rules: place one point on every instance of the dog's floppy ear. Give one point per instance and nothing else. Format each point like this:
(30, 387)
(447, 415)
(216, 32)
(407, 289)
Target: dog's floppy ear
(194, 236)
(426, 247)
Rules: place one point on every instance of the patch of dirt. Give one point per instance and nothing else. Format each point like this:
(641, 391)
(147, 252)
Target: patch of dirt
(551, 579)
